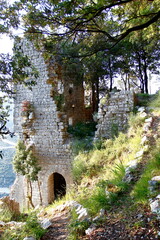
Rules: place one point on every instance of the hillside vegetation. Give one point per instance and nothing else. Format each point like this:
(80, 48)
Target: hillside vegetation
(111, 181)
(100, 176)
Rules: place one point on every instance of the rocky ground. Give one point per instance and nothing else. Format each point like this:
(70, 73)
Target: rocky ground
(58, 229)
(134, 225)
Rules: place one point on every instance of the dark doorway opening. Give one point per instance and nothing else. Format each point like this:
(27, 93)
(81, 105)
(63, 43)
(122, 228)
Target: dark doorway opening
(59, 185)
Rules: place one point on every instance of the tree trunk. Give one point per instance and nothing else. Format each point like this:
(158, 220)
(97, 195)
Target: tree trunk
(93, 97)
(30, 195)
(145, 77)
(128, 81)
(40, 194)
(97, 95)
(110, 75)
(140, 73)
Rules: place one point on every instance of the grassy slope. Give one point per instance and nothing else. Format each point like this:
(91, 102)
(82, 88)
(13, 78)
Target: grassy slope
(103, 168)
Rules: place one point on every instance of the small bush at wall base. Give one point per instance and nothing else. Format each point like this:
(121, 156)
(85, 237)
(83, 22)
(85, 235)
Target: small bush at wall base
(31, 228)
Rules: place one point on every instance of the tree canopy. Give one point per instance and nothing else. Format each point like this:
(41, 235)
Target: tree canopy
(98, 26)
(114, 36)
(81, 20)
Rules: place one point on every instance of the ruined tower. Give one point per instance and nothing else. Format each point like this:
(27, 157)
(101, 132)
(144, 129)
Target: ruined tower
(55, 104)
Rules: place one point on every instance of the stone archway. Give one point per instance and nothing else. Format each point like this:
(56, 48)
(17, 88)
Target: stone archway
(56, 187)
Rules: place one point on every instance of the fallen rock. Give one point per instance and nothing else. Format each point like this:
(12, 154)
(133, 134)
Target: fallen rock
(154, 184)
(139, 154)
(141, 109)
(128, 178)
(15, 224)
(90, 229)
(147, 126)
(156, 179)
(143, 115)
(107, 193)
(83, 214)
(102, 212)
(155, 205)
(149, 120)
(131, 166)
(46, 223)
(144, 140)
(29, 238)
(2, 224)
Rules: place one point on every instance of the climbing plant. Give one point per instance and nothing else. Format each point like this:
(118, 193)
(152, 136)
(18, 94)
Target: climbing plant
(25, 163)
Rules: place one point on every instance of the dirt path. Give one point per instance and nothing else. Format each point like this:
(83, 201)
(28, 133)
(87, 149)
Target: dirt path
(58, 230)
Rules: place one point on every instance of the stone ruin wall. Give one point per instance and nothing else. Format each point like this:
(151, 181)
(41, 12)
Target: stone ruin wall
(113, 113)
(47, 131)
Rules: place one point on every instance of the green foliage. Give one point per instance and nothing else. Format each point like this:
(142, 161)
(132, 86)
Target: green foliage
(5, 214)
(31, 228)
(105, 166)
(119, 173)
(141, 191)
(82, 145)
(25, 163)
(82, 130)
(114, 130)
(59, 99)
(143, 99)
(77, 228)
(98, 162)
(156, 102)
(79, 167)
(96, 201)
(136, 120)
(98, 144)
(82, 134)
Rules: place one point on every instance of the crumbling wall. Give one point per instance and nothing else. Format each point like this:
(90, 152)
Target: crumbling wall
(45, 129)
(113, 113)
(54, 103)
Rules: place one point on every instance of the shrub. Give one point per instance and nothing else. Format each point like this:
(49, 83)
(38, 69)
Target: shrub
(77, 228)
(31, 228)
(82, 130)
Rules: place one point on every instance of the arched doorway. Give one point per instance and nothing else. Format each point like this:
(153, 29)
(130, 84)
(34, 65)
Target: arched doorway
(56, 187)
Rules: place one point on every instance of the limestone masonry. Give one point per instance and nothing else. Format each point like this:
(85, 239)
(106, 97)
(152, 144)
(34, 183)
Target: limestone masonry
(55, 104)
(113, 113)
